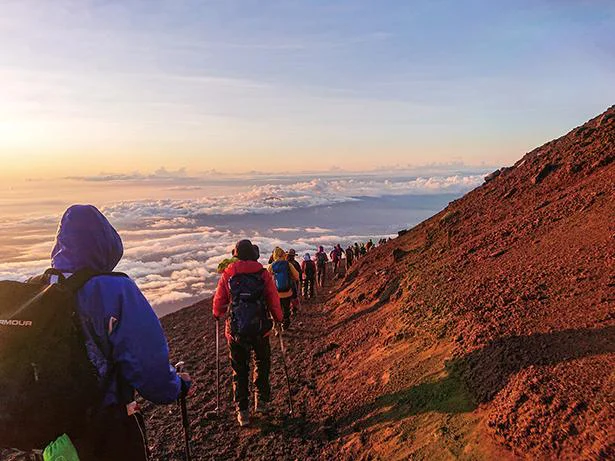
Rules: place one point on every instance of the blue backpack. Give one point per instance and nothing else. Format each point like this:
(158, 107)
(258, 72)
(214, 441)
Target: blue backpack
(281, 275)
(248, 316)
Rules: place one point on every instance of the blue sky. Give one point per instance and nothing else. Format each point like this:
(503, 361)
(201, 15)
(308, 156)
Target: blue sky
(294, 85)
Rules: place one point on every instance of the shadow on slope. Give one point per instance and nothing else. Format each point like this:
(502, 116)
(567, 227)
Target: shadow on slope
(477, 377)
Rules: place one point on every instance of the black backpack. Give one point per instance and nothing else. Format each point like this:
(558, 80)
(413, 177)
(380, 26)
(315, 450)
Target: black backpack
(248, 313)
(321, 258)
(310, 269)
(48, 386)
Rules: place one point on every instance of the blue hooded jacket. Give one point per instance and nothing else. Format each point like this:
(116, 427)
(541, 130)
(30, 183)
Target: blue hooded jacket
(124, 338)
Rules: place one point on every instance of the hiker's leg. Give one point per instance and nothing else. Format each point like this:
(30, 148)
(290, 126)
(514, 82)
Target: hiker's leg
(240, 357)
(285, 302)
(262, 362)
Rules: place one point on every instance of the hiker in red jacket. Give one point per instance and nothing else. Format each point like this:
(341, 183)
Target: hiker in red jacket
(250, 291)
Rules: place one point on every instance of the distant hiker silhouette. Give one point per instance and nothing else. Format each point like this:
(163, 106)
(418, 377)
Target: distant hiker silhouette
(336, 257)
(294, 304)
(309, 276)
(254, 306)
(349, 257)
(321, 266)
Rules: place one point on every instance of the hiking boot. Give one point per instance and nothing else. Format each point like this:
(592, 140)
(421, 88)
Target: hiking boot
(243, 417)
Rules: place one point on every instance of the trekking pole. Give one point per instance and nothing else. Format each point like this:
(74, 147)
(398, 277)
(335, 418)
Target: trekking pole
(214, 413)
(290, 397)
(185, 421)
(217, 366)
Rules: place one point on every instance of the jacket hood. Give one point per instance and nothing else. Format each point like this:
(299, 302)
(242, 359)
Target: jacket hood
(86, 240)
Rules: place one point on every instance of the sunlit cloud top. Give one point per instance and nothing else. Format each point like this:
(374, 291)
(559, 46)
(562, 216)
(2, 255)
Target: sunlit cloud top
(120, 86)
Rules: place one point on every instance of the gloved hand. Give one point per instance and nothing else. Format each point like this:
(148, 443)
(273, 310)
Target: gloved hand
(187, 387)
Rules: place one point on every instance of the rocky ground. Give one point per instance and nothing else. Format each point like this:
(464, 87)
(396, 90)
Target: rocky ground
(487, 331)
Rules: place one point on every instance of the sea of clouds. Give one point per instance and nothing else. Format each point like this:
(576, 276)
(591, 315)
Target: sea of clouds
(173, 246)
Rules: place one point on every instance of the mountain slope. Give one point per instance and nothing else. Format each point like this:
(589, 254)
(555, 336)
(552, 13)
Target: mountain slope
(486, 331)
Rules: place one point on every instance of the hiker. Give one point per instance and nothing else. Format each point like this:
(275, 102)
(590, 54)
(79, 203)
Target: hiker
(369, 245)
(321, 266)
(349, 257)
(363, 250)
(336, 257)
(308, 267)
(357, 250)
(294, 304)
(254, 306)
(284, 274)
(125, 349)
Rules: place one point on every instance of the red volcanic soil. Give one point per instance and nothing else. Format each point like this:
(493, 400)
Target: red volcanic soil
(487, 331)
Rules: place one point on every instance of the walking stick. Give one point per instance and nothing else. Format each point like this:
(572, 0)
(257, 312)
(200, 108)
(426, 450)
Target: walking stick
(290, 397)
(217, 366)
(214, 413)
(185, 421)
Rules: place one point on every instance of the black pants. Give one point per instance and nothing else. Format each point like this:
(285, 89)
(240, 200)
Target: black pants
(114, 436)
(322, 273)
(336, 266)
(285, 303)
(240, 362)
(119, 437)
(308, 287)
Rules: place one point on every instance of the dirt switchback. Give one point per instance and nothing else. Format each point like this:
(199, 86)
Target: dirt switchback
(485, 332)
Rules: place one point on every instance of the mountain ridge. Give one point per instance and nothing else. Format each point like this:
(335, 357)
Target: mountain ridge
(486, 331)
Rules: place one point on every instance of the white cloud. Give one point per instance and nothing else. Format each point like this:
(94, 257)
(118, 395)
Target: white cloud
(316, 230)
(279, 197)
(173, 256)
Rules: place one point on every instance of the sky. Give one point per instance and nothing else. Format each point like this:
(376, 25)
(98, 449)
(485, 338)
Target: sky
(92, 87)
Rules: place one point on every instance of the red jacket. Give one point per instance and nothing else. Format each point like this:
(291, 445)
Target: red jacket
(222, 298)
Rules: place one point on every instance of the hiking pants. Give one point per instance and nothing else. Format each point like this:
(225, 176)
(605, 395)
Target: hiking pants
(308, 287)
(285, 303)
(336, 266)
(240, 362)
(112, 436)
(322, 272)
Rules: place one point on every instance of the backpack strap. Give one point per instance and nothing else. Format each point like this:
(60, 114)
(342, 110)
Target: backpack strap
(74, 283)
(82, 276)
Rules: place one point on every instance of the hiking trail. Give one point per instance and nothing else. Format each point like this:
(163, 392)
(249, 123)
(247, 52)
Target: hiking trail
(484, 332)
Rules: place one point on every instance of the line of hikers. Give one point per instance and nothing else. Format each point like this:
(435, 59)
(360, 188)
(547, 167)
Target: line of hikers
(98, 342)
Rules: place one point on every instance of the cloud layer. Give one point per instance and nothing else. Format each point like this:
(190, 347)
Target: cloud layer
(276, 198)
(173, 246)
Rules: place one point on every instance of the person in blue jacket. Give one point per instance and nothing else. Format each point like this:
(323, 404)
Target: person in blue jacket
(123, 336)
